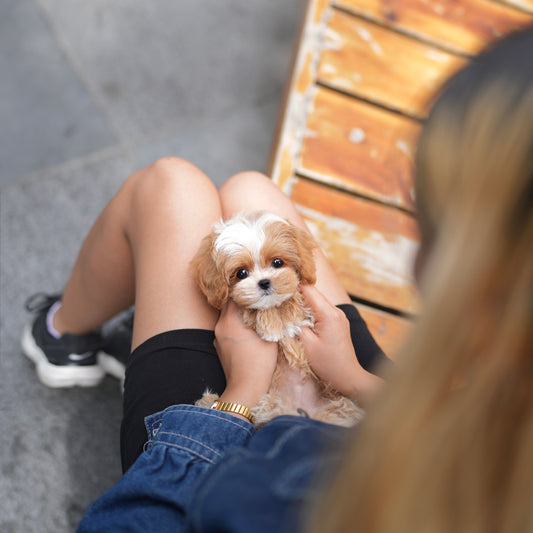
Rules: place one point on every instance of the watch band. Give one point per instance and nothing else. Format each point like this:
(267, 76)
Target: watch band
(237, 408)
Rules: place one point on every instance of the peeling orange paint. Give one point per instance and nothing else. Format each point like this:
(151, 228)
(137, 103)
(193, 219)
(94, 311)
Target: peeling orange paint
(305, 78)
(464, 26)
(380, 65)
(355, 146)
(320, 7)
(371, 247)
(286, 168)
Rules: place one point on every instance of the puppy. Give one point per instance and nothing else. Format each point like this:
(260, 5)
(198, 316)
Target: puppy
(258, 259)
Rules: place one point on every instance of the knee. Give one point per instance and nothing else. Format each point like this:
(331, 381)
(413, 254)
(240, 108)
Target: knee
(244, 186)
(253, 191)
(174, 172)
(245, 181)
(162, 198)
(168, 178)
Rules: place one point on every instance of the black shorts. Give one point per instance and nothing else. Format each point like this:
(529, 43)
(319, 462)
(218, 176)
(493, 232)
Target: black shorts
(177, 367)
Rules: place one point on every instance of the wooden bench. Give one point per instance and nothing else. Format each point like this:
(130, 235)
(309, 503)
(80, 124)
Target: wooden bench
(364, 76)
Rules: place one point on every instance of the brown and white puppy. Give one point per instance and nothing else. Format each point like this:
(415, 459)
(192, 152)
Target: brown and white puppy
(259, 259)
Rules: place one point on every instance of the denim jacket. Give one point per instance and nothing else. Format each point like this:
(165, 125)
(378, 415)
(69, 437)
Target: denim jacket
(205, 470)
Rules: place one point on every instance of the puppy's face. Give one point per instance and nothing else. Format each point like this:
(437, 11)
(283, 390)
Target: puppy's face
(258, 260)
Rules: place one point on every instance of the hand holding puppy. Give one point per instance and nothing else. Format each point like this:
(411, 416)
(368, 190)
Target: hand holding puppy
(248, 361)
(250, 268)
(330, 351)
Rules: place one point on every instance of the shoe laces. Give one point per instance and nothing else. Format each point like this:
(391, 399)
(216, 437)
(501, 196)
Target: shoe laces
(40, 301)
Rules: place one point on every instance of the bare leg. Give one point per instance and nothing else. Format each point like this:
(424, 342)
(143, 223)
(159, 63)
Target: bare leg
(250, 191)
(139, 251)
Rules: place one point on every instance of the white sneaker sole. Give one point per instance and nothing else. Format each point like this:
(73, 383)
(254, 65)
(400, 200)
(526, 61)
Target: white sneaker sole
(55, 376)
(110, 365)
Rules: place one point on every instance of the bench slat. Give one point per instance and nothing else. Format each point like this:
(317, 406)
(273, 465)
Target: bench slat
(379, 65)
(370, 246)
(464, 26)
(359, 148)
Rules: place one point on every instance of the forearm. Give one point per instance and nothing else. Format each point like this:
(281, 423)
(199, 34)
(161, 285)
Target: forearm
(248, 361)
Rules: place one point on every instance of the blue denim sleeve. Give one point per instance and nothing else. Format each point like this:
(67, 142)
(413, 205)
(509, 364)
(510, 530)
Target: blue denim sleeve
(155, 493)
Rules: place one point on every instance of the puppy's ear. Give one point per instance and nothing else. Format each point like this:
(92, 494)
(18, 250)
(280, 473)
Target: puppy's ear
(305, 245)
(206, 274)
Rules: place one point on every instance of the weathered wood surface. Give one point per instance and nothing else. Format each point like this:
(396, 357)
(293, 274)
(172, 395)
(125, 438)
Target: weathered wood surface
(526, 5)
(365, 73)
(370, 246)
(381, 66)
(463, 26)
(360, 148)
(291, 121)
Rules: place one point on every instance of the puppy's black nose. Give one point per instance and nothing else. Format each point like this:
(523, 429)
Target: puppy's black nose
(264, 284)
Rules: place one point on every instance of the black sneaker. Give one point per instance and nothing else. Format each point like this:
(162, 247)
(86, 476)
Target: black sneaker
(68, 361)
(117, 335)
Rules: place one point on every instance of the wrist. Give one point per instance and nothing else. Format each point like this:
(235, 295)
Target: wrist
(365, 386)
(244, 395)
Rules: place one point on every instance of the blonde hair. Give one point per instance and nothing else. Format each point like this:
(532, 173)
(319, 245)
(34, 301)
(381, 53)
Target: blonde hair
(448, 447)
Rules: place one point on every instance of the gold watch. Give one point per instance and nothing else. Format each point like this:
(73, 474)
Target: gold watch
(233, 408)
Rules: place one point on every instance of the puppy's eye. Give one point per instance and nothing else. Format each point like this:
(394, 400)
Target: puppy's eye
(277, 263)
(242, 273)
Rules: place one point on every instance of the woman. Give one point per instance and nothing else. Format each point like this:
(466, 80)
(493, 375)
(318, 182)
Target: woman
(445, 448)
(139, 251)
